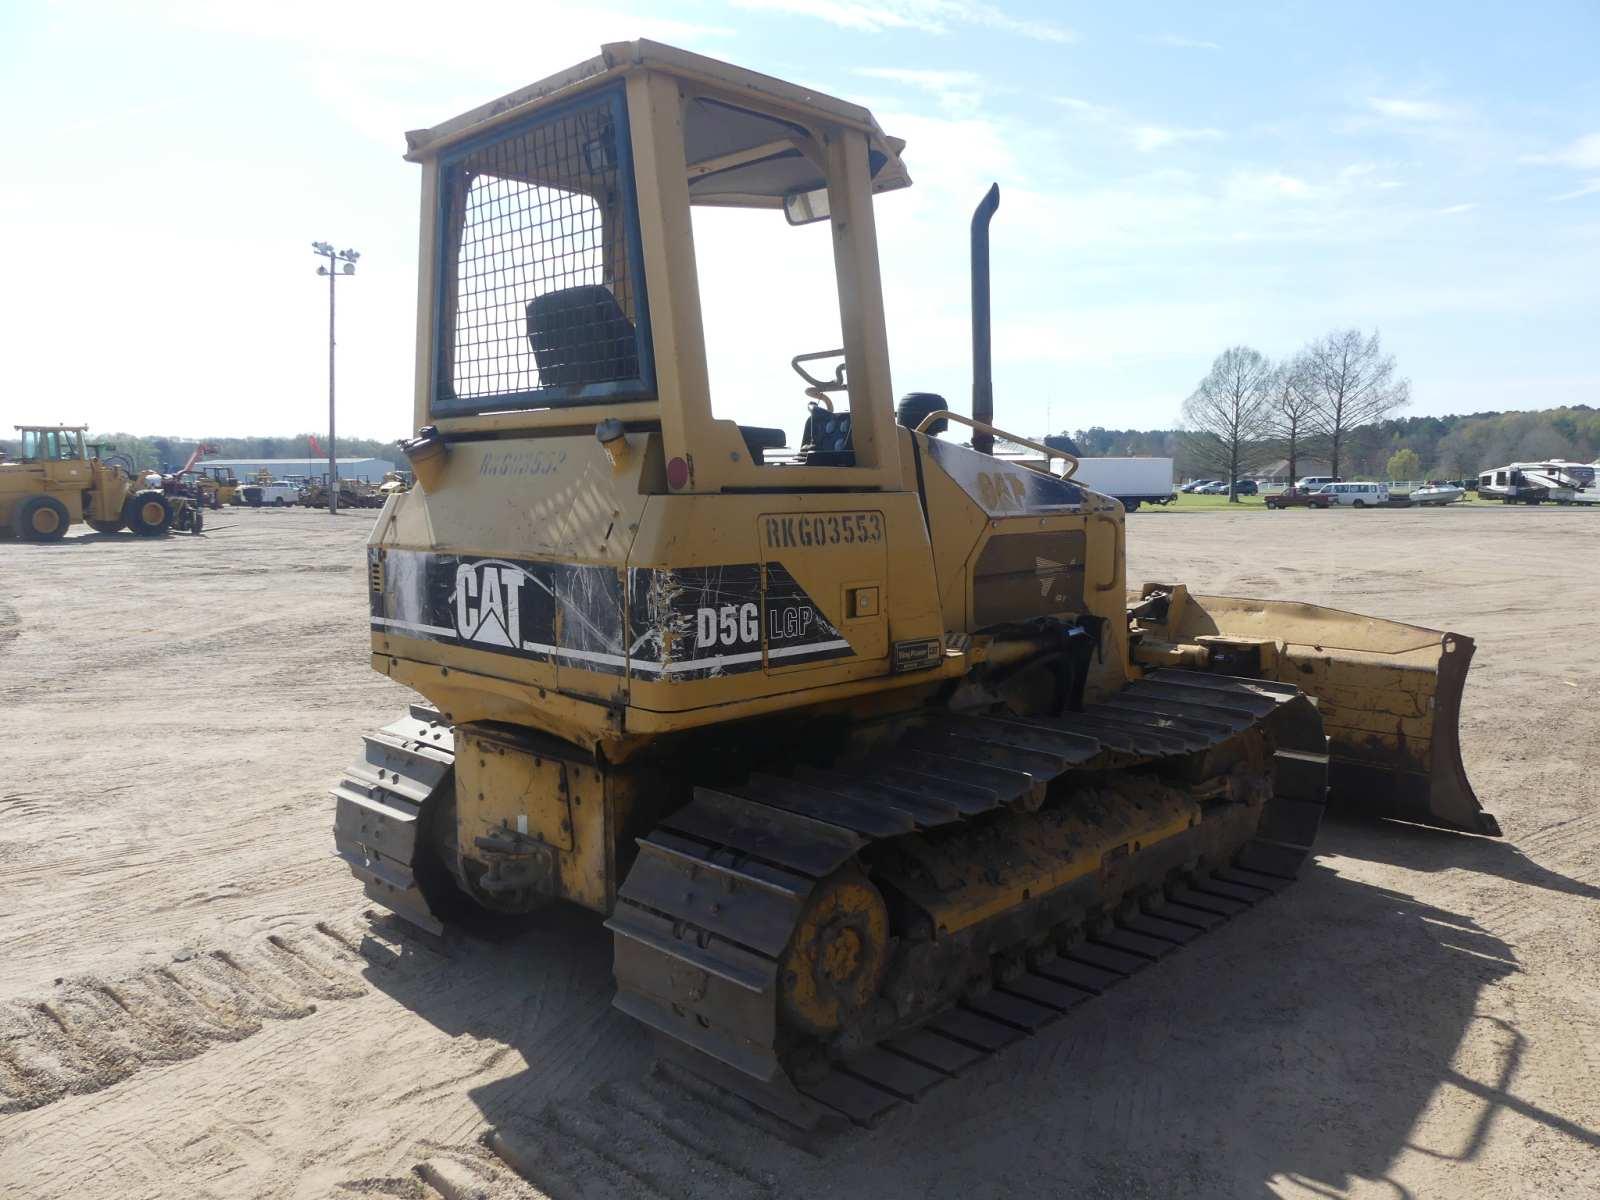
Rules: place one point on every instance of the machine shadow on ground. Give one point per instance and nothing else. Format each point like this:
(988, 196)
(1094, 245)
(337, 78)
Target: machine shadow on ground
(1304, 1041)
(1422, 848)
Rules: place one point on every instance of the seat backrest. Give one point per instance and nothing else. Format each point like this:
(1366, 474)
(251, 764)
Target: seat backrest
(581, 335)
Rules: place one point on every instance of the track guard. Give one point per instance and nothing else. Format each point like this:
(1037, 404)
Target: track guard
(379, 816)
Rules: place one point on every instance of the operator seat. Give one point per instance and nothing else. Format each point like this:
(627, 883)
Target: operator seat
(581, 335)
(827, 440)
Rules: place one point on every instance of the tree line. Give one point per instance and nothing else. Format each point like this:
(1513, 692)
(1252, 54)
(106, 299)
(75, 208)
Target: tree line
(170, 453)
(1335, 402)
(1248, 408)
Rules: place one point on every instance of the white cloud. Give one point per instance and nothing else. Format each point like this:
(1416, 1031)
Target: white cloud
(1456, 208)
(927, 80)
(1410, 110)
(1084, 109)
(1270, 184)
(358, 30)
(1155, 137)
(1143, 136)
(1179, 42)
(924, 16)
(957, 92)
(1587, 188)
(1582, 154)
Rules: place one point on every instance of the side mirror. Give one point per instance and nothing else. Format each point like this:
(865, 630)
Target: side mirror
(802, 208)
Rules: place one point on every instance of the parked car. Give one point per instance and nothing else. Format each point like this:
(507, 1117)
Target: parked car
(1313, 482)
(1299, 497)
(1244, 487)
(1357, 495)
(1196, 485)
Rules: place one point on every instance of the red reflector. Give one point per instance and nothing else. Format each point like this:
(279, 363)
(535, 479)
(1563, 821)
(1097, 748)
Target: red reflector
(677, 473)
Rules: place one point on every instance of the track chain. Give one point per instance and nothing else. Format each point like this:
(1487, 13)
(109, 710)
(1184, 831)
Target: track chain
(708, 908)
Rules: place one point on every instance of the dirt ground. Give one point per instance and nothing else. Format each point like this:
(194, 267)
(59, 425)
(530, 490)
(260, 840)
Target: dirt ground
(192, 1001)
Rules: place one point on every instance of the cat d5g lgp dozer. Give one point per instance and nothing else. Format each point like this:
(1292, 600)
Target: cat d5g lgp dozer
(862, 745)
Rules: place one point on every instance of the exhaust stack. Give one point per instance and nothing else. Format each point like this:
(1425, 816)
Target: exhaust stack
(982, 364)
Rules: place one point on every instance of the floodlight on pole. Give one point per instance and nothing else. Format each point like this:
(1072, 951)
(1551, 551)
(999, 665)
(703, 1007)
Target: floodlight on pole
(332, 270)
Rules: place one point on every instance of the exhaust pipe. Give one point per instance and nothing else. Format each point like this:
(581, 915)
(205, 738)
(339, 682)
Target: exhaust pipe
(982, 364)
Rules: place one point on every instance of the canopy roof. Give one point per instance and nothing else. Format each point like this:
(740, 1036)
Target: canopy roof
(749, 145)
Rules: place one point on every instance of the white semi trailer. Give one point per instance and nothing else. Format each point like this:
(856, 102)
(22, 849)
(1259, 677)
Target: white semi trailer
(1134, 481)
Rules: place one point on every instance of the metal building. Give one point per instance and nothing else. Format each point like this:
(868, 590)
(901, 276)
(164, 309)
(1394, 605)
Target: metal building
(370, 469)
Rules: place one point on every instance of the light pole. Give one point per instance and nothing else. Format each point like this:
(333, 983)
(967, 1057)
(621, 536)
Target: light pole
(332, 269)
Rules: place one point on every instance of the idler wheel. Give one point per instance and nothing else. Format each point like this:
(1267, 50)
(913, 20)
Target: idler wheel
(837, 957)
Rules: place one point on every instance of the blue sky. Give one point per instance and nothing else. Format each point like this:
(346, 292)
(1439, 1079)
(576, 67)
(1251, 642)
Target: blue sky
(1176, 179)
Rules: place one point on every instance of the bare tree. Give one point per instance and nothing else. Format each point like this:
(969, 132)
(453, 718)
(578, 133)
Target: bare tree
(1293, 402)
(1229, 413)
(1352, 383)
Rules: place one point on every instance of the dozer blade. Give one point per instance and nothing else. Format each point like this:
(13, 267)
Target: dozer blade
(1390, 695)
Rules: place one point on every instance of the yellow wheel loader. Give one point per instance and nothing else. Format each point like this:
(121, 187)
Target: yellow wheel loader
(861, 743)
(56, 483)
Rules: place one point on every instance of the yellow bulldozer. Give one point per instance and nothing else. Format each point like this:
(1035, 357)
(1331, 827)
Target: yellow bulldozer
(56, 483)
(864, 747)
(217, 485)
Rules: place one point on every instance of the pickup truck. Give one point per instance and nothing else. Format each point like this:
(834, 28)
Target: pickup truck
(276, 494)
(1299, 497)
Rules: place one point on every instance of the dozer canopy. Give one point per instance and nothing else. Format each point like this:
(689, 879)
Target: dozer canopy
(561, 277)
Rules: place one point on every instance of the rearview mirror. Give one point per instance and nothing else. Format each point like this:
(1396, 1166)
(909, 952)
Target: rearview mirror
(802, 208)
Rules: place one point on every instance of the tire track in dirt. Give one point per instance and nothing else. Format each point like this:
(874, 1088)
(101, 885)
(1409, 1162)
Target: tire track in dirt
(665, 1136)
(93, 1032)
(10, 626)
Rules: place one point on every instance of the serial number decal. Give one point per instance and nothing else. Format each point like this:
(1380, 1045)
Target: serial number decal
(522, 462)
(806, 530)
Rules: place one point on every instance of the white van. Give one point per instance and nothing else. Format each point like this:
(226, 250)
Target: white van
(1312, 483)
(1357, 495)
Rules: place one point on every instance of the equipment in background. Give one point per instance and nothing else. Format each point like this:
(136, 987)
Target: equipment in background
(395, 481)
(218, 485)
(353, 493)
(56, 483)
(864, 748)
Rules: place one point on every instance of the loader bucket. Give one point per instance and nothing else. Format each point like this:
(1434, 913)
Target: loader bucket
(1389, 693)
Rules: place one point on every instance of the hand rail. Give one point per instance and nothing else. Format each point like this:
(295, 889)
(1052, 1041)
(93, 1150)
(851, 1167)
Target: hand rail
(1116, 549)
(983, 426)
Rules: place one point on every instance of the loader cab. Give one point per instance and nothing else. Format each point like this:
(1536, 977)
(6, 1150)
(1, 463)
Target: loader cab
(562, 285)
(57, 454)
(52, 443)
